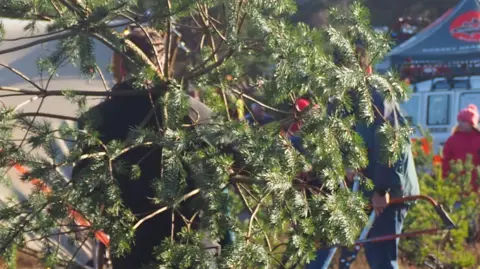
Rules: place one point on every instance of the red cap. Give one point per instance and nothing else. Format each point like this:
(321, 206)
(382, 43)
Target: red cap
(301, 104)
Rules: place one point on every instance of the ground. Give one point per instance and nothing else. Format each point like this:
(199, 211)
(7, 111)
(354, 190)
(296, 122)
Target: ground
(361, 263)
(25, 261)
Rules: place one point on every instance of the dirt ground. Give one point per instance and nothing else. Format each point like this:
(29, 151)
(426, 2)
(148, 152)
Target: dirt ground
(25, 261)
(361, 263)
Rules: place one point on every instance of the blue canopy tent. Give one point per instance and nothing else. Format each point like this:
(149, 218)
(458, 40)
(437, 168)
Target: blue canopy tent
(453, 40)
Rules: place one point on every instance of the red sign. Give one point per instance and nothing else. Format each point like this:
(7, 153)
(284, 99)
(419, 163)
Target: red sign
(466, 27)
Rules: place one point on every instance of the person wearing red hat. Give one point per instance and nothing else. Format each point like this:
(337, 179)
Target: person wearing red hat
(464, 141)
(293, 131)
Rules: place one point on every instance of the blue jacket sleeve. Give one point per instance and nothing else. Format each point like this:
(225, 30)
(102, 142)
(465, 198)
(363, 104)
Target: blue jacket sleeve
(385, 177)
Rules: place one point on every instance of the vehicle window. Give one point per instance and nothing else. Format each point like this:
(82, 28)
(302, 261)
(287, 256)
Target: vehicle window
(410, 109)
(441, 85)
(469, 98)
(438, 109)
(461, 83)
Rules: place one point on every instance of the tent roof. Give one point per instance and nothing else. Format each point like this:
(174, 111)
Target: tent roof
(455, 36)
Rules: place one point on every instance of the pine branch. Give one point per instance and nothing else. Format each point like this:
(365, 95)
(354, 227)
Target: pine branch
(58, 36)
(165, 208)
(25, 92)
(99, 71)
(56, 8)
(20, 74)
(211, 67)
(243, 95)
(58, 234)
(168, 46)
(254, 213)
(245, 203)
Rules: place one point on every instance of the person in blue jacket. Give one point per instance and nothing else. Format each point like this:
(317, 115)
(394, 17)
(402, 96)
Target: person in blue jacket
(259, 116)
(390, 181)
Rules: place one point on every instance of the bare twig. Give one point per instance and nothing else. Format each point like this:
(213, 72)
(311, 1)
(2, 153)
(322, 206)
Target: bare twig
(76, 251)
(207, 60)
(38, 42)
(249, 192)
(33, 36)
(24, 77)
(209, 68)
(150, 40)
(168, 45)
(58, 233)
(260, 103)
(128, 43)
(56, 8)
(250, 224)
(31, 123)
(165, 208)
(74, 8)
(102, 77)
(204, 15)
(239, 179)
(24, 103)
(173, 59)
(172, 231)
(212, 21)
(19, 92)
(245, 203)
(45, 115)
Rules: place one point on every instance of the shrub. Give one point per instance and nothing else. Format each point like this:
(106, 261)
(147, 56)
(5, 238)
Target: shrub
(455, 193)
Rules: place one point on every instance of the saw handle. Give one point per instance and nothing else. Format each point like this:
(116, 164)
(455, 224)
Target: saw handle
(447, 221)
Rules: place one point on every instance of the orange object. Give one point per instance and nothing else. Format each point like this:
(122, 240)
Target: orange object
(426, 146)
(437, 160)
(77, 216)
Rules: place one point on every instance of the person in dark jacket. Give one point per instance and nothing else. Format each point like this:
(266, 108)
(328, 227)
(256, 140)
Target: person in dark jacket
(113, 120)
(390, 181)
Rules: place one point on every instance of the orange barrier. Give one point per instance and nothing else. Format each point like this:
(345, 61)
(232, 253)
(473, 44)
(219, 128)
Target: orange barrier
(75, 215)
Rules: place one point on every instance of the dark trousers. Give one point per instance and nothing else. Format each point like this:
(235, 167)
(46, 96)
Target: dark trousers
(381, 255)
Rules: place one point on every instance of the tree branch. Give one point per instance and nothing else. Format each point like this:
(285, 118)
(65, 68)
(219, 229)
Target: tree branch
(33, 36)
(258, 102)
(20, 74)
(165, 208)
(45, 115)
(250, 224)
(150, 40)
(56, 8)
(38, 42)
(212, 66)
(245, 203)
(25, 92)
(102, 77)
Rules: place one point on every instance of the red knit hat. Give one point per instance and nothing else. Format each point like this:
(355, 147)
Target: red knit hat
(301, 104)
(470, 115)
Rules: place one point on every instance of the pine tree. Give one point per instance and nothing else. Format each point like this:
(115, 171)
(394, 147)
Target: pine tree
(289, 216)
(450, 249)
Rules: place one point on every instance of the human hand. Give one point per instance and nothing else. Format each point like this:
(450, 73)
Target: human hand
(380, 202)
(351, 174)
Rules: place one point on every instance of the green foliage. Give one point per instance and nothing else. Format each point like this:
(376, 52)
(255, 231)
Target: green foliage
(287, 214)
(451, 248)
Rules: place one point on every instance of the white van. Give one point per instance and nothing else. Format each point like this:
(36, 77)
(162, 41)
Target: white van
(434, 105)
